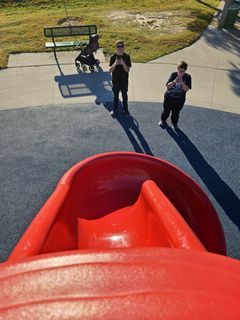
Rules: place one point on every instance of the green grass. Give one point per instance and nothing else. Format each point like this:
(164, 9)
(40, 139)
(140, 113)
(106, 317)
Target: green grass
(22, 23)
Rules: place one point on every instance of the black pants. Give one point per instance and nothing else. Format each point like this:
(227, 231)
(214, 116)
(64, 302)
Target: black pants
(124, 90)
(173, 106)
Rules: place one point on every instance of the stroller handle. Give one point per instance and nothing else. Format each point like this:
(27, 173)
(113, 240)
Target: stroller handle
(83, 45)
(79, 46)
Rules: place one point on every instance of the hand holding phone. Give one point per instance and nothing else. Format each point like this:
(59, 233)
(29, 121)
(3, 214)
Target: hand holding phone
(119, 59)
(178, 79)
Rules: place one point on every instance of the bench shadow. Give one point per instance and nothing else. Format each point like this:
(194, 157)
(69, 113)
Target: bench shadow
(86, 84)
(223, 194)
(131, 127)
(97, 83)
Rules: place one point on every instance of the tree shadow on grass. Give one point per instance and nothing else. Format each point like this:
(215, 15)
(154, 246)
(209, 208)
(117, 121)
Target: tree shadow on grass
(207, 5)
(223, 194)
(199, 22)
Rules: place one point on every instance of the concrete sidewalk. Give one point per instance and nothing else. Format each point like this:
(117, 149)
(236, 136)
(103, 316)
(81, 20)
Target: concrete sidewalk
(214, 63)
(38, 79)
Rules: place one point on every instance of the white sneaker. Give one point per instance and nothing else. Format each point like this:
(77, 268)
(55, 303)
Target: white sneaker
(162, 124)
(113, 113)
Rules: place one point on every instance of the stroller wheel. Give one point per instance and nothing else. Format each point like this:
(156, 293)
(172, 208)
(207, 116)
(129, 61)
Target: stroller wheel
(97, 62)
(84, 68)
(91, 68)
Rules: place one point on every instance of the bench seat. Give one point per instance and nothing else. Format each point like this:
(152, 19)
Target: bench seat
(69, 31)
(66, 44)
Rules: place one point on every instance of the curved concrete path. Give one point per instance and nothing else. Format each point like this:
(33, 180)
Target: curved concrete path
(214, 62)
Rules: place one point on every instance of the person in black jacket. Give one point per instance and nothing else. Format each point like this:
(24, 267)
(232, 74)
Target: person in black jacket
(119, 66)
(174, 98)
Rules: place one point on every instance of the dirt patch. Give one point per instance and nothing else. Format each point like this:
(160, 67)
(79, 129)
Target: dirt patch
(166, 21)
(72, 21)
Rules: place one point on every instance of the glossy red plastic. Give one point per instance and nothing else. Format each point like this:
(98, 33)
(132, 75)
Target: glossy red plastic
(132, 283)
(151, 221)
(98, 191)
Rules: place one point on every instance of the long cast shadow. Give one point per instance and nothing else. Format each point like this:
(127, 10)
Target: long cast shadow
(130, 126)
(223, 194)
(97, 83)
(207, 5)
(227, 40)
(86, 84)
(234, 76)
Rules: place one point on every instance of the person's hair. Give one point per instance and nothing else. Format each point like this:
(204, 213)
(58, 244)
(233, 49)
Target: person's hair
(119, 42)
(183, 65)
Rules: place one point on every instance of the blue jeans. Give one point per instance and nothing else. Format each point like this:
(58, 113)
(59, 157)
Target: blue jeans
(124, 89)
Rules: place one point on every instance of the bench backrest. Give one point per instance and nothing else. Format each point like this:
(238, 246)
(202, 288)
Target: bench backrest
(68, 31)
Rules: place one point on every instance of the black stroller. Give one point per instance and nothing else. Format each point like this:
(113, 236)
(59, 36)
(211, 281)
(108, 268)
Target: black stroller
(86, 57)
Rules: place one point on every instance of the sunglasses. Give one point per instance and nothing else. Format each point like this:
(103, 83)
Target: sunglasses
(120, 46)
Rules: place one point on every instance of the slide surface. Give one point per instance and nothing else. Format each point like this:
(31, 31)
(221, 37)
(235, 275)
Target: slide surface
(104, 185)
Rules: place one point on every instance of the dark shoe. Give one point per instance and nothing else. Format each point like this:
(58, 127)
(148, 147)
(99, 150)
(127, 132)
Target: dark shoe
(162, 124)
(127, 113)
(175, 126)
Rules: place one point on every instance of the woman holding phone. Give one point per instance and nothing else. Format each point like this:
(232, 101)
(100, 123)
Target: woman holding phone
(174, 98)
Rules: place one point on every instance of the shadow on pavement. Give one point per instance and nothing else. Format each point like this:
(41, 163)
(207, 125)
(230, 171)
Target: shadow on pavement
(223, 39)
(130, 125)
(223, 194)
(86, 84)
(97, 83)
(234, 76)
(229, 41)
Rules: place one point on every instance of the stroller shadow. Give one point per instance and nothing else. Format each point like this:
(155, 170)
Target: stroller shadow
(223, 194)
(130, 125)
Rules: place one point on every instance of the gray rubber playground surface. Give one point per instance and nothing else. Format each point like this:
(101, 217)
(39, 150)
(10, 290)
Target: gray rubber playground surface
(38, 145)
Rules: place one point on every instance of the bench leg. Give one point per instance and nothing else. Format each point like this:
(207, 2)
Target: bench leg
(55, 54)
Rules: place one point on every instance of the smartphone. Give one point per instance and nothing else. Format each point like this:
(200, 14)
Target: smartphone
(119, 57)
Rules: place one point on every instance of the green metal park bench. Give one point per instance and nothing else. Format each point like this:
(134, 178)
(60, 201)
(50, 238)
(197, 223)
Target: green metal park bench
(69, 31)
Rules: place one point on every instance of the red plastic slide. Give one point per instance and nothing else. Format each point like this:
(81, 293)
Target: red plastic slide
(121, 284)
(108, 201)
(123, 236)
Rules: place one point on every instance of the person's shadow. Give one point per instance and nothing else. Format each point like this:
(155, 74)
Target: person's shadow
(130, 126)
(223, 194)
